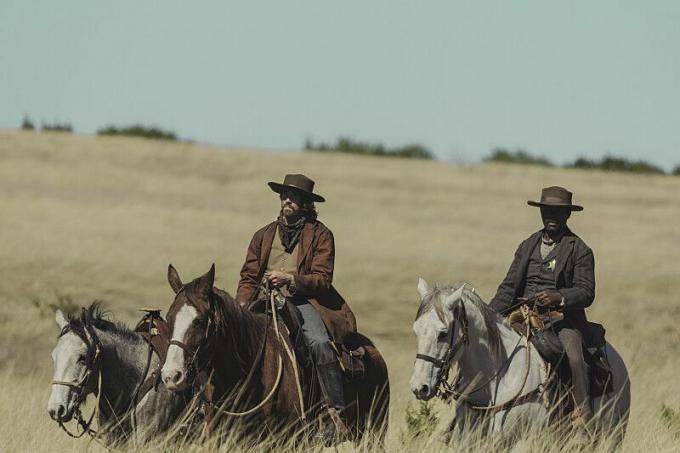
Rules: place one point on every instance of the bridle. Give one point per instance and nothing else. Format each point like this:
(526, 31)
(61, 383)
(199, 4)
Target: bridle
(191, 365)
(82, 386)
(444, 364)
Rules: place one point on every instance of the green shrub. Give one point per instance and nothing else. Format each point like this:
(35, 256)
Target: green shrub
(671, 419)
(27, 124)
(420, 422)
(57, 127)
(676, 171)
(351, 146)
(612, 163)
(517, 157)
(139, 130)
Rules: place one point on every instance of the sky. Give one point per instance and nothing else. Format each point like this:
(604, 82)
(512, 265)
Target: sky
(558, 79)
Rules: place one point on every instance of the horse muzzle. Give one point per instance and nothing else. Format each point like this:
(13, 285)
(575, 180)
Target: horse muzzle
(423, 392)
(175, 379)
(60, 412)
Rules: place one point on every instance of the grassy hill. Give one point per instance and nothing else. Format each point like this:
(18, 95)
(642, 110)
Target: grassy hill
(101, 218)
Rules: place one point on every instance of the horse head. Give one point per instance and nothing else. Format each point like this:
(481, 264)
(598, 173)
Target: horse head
(435, 330)
(76, 358)
(188, 321)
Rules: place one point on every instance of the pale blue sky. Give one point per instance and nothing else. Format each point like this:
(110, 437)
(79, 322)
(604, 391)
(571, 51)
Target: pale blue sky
(560, 79)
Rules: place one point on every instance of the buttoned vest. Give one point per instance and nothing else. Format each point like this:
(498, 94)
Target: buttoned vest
(280, 260)
(541, 271)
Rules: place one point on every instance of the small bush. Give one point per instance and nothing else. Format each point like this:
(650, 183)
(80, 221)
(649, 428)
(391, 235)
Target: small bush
(420, 422)
(612, 163)
(676, 171)
(27, 124)
(63, 302)
(351, 146)
(671, 419)
(57, 127)
(517, 157)
(139, 130)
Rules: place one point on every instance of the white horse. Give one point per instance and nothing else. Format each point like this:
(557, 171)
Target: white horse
(94, 355)
(501, 380)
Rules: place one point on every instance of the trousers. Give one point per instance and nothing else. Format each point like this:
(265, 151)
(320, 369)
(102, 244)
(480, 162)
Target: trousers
(323, 355)
(572, 340)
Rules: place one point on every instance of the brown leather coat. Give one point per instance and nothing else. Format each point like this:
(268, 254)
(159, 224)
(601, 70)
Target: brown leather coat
(313, 279)
(574, 277)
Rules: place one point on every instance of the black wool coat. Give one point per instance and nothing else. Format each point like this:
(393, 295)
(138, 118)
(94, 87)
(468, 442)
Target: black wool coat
(574, 277)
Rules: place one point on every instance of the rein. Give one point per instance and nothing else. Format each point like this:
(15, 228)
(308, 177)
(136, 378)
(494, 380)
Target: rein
(220, 408)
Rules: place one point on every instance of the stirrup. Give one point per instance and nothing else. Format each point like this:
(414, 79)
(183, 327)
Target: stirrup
(579, 426)
(332, 429)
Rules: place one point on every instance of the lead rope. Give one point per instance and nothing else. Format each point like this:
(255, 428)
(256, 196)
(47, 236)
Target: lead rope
(278, 374)
(291, 357)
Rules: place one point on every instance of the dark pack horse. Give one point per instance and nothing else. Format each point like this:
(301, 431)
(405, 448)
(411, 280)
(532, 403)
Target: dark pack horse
(242, 365)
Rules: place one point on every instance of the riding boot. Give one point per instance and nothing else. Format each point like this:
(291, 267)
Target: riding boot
(583, 413)
(330, 380)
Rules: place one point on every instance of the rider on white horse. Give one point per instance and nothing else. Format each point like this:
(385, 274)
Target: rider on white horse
(556, 268)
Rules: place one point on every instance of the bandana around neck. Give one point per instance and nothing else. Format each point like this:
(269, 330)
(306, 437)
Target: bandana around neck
(290, 232)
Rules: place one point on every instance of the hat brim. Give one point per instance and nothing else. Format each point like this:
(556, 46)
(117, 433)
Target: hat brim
(278, 188)
(573, 207)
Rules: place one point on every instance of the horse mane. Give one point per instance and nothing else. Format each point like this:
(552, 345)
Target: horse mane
(236, 328)
(97, 316)
(433, 301)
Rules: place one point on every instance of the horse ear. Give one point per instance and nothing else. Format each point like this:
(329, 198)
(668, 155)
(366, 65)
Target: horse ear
(423, 287)
(454, 297)
(174, 280)
(205, 283)
(60, 318)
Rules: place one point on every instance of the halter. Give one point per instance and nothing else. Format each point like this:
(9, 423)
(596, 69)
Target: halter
(81, 386)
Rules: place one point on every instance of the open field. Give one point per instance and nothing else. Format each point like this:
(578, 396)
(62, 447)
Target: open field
(101, 218)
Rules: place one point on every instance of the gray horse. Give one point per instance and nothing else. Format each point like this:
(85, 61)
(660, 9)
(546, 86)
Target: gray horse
(95, 355)
(502, 379)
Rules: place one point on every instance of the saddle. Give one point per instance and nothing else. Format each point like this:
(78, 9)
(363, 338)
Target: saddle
(155, 331)
(350, 352)
(544, 338)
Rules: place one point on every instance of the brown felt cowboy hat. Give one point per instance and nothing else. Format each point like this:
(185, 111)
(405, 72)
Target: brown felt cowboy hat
(298, 183)
(556, 196)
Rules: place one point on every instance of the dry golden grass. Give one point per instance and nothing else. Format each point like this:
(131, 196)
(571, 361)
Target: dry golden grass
(101, 218)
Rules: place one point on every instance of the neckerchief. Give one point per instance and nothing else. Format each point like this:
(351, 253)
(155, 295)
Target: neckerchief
(290, 232)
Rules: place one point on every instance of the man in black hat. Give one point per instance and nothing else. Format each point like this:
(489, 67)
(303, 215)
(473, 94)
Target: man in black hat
(296, 254)
(556, 269)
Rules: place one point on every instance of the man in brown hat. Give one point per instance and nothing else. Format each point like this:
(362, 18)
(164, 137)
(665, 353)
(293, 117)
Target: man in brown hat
(296, 254)
(556, 268)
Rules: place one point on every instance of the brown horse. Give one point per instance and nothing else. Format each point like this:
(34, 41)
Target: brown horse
(252, 369)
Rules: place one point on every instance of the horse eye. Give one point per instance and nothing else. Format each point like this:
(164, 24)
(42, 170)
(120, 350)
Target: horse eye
(82, 359)
(442, 335)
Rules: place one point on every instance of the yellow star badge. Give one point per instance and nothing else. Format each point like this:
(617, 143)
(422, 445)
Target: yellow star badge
(551, 264)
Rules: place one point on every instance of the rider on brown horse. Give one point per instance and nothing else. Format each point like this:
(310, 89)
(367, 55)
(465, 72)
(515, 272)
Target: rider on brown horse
(296, 254)
(556, 268)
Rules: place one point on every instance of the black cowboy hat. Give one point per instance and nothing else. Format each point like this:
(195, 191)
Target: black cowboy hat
(556, 196)
(298, 183)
